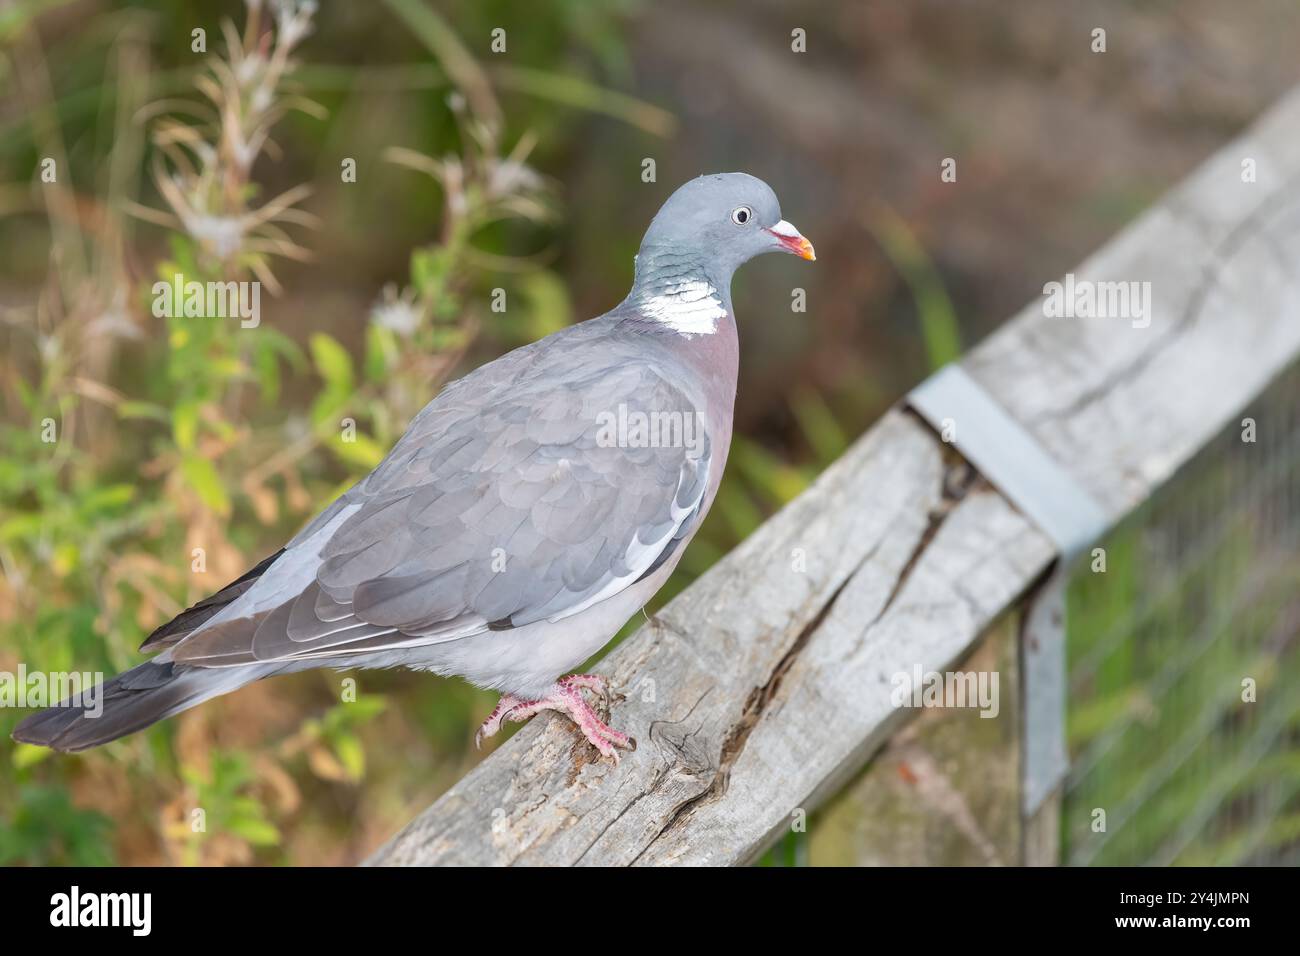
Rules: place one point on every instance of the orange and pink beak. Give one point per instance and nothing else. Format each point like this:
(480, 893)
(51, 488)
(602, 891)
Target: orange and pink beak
(791, 240)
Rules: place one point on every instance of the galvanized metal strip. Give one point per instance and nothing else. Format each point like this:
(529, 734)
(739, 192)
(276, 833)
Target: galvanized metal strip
(1036, 483)
(1010, 457)
(1044, 759)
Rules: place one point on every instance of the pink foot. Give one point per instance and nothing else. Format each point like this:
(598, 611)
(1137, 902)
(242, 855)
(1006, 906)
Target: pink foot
(566, 697)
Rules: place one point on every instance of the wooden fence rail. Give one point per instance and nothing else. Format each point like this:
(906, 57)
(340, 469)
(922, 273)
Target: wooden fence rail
(763, 688)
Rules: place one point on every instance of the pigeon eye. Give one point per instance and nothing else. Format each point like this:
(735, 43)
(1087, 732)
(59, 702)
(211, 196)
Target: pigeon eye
(741, 215)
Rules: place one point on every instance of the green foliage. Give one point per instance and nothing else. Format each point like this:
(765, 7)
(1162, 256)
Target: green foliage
(43, 828)
(939, 330)
(226, 806)
(334, 742)
(184, 448)
(1162, 737)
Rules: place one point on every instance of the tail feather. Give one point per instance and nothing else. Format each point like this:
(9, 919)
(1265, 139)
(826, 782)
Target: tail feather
(129, 702)
(193, 618)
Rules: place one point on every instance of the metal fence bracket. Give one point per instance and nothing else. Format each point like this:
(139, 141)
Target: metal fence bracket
(1015, 463)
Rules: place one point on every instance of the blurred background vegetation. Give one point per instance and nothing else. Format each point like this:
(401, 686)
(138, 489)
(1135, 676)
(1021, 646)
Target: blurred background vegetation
(476, 170)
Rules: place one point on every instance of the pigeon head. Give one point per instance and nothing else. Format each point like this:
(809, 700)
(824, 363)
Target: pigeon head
(721, 221)
(706, 230)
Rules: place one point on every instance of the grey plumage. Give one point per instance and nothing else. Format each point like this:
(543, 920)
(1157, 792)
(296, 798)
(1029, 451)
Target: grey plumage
(504, 538)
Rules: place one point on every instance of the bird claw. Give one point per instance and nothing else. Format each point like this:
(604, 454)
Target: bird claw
(565, 697)
(593, 682)
(499, 715)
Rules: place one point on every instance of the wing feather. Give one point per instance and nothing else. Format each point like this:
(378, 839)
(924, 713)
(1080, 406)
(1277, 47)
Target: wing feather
(505, 503)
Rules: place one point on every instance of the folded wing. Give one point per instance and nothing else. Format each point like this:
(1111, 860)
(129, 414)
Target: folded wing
(513, 498)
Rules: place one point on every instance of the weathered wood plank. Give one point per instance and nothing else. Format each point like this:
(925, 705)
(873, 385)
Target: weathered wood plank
(1041, 845)
(763, 687)
(945, 789)
(918, 602)
(1123, 406)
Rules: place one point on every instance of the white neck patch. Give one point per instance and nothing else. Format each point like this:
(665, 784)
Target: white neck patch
(688, 308)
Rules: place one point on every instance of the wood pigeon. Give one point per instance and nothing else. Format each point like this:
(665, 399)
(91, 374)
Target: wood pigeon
(528, 511)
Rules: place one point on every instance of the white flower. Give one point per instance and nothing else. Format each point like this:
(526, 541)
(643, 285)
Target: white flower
(293, 20)
(398, 313)
(222, 234)
(114, 320)
(249, 68)
(508, 177)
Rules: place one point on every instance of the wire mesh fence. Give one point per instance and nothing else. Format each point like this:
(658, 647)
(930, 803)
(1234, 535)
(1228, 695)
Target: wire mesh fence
(1184, 662)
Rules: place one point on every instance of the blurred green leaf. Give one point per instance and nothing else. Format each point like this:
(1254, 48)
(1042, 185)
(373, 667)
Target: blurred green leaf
(547, 300)
(45, 829)
(255, 830)
(203, 478)
(361, 450)
(133, 409)
(938, 319)
(185, 425)
(351, 754)
(333, 362)
(818, 425)
(28, 755)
